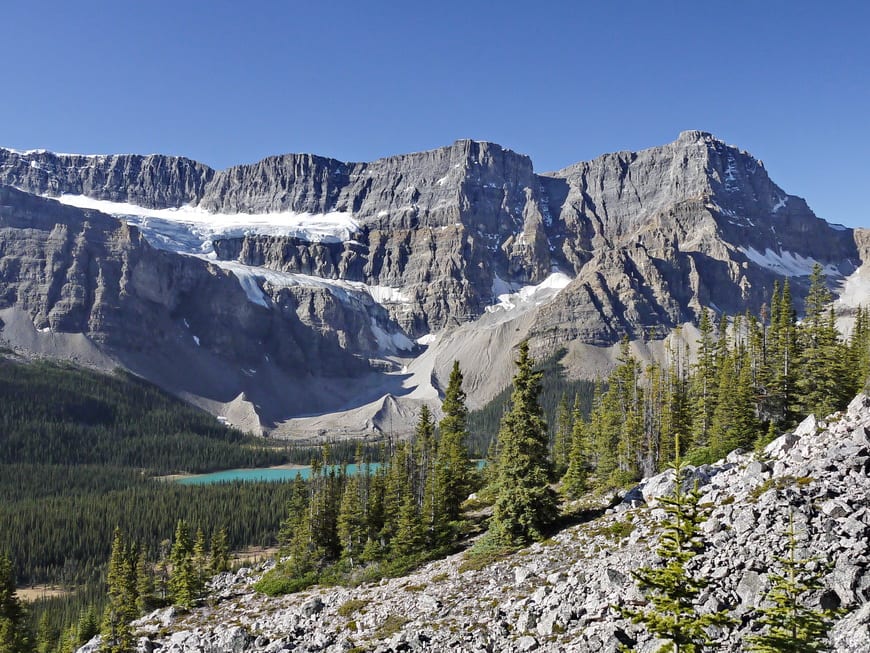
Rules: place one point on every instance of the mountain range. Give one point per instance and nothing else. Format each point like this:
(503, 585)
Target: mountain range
(302, 296)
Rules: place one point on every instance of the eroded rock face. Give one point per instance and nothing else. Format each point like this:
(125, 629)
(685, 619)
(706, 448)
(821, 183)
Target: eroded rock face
(650, 236)
(560, 595)
(84, 272)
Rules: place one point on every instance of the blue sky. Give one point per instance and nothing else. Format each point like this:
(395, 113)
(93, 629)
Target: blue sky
(232, 82)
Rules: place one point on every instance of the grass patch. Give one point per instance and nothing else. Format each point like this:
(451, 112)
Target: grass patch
(773, 484)
(279, 581)
(391, 625)
(484, 553)
(616, 530)
(350, 607)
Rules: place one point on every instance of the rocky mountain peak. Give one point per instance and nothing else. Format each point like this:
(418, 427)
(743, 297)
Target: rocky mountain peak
(413, 245)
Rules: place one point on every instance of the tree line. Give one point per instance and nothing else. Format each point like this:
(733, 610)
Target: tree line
(754, 376)
(407, 509)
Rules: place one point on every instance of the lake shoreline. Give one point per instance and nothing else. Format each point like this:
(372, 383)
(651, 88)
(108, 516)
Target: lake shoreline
(174, 478)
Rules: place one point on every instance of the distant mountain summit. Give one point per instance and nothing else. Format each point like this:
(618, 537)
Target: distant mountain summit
(360, 260)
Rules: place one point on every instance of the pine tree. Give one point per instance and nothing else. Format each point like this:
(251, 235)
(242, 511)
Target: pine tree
(14, 637)
(791, 625)
(453, 467)
(297, 506)
(46, 637)
(352, 530)
(574, 480)
(199, 562)
(182, 581)
(525, 503)
(821, 377)
(429, 498)
(145, 599)
(121, 604)
(671, 589)
(409, 538)
(704, 386)
(220, 552)
(87, 627)
(562, 440)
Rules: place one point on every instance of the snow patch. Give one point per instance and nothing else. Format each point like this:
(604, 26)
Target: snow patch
(391, 342)
(780, 204)
(428, 339)
(786, 263)
(385, 294)
(855, 289)
(531, 295)
(191, 230)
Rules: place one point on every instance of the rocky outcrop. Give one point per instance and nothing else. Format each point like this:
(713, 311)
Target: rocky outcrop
(648, 238)
(652, 236)
(560, 595)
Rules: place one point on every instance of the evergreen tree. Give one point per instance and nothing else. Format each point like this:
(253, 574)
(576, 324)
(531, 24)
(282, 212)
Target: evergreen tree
(220, 553)
(14, 637)
(46, 637)
(791, 626)
(671, 589)
(429, 498)
(145, 599)
(525, 503)
(574, 480)
(704, 386)
(562, 439)
(352, 531)
(121, 604)
(297, 506)
(409, 538)
(182, 581)
(305, 557)
(821, 379)
(199, 562)
(87, 627)
(453, 467)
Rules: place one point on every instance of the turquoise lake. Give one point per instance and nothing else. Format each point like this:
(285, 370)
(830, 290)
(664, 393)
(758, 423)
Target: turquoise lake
(265, 474)
(270, 474)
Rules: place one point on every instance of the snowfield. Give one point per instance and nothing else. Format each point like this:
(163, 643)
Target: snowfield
(190, 230)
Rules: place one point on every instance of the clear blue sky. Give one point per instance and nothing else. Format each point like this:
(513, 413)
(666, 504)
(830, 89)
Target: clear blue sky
(232, 82)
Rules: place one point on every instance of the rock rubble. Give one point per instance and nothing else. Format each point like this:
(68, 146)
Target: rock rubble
(559, 595)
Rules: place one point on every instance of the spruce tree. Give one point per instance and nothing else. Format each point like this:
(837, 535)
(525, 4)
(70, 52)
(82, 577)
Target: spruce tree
(704, 386)
(220, 552)
(352, 530)
(199, 562)
(14, 636)
(791, 626)
(182, 581)
(453, 467)
(46, 637)
(145, 599)
(574, 480)
(409, 538)
(671, 589)
(121, 604)
(562, 439)
(525, 504)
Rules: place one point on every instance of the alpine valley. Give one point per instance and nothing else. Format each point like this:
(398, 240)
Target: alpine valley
(686, 501)
(300, 296)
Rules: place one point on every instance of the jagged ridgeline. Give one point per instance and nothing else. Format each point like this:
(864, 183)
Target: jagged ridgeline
(281, 292)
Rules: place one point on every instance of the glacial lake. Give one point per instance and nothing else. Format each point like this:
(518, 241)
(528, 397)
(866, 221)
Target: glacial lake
(275, 474)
